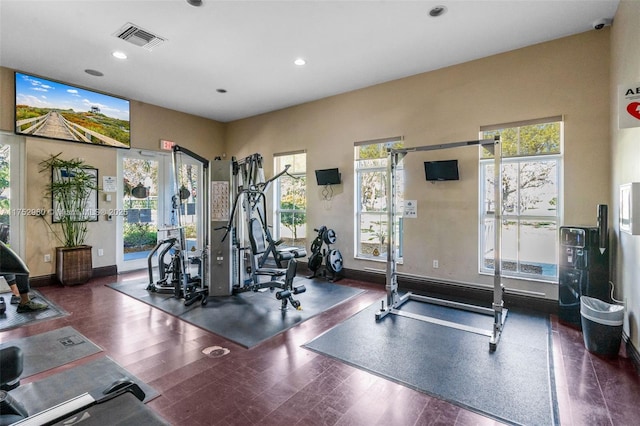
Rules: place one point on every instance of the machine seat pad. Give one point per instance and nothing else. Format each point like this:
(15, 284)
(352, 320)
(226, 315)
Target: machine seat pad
(285, 255)
(271, 271)
(291, 252)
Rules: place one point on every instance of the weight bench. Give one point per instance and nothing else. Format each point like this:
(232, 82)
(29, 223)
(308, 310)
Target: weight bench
(284, 283)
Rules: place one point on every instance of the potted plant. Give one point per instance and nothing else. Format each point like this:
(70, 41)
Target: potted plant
(73, 192)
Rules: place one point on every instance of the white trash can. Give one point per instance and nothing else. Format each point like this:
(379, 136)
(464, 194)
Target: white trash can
(601, 325)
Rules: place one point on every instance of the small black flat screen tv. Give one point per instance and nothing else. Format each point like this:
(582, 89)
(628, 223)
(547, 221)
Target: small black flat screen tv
(441, 170)
(53, 110)
(328, 177)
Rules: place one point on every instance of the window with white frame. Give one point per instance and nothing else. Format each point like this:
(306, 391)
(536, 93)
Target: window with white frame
(531, 165)
(290, 212)
(371, 201)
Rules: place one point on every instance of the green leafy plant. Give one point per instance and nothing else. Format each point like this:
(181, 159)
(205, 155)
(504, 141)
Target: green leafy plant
(139, 235)
(72, 184)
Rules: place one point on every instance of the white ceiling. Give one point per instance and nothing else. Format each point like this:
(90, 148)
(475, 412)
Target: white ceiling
(248, 47)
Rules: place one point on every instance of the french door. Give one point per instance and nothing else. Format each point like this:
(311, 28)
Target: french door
(151, 202)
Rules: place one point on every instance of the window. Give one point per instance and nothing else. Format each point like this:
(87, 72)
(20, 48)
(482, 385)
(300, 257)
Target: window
(531, 162)
(371, 197)
(291, 199)
(12, 191)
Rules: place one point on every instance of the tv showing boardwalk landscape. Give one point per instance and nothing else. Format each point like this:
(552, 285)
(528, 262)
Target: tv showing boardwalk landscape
(54, 110)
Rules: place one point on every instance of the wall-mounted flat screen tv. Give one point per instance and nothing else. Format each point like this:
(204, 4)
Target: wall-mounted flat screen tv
(441, 170)
(54, 110)
(328, 177)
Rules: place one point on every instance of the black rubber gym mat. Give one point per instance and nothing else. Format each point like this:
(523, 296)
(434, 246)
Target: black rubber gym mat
(247, 318)
(52, 349)
(514, 384)
(12, 319)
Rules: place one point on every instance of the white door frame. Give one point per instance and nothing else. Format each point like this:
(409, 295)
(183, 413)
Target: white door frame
(17, 187)
(164, 197)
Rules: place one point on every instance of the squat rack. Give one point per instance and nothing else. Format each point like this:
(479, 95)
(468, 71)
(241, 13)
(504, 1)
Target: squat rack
(394, 300)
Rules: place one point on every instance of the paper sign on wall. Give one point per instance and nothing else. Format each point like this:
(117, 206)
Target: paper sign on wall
(410, 208)
(629, 105)
(109, 184)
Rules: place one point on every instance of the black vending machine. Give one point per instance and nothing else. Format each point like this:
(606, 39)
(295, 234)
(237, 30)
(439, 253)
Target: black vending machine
(584, 266)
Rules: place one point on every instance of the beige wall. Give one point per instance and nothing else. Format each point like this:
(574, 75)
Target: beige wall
(625, 69)
(568, 76)
(149, 124)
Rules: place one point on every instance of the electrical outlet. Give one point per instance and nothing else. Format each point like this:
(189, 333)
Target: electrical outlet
(47, 258)
(100, 252)
(436, 264)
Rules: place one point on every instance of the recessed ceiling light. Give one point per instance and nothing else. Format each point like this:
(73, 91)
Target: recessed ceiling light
(95, 73)
(120, 55)
(300, 62)
(437, 11)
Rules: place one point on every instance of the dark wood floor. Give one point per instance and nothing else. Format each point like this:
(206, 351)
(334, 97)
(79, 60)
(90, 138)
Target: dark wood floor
(280, 383)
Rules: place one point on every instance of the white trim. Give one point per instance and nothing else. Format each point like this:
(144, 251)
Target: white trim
(545, 120)
(282, 154)
(557, 158)
(277, 195)
(164, 181)
(381, 140)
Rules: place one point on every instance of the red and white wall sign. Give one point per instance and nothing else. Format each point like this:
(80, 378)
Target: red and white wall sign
(629, 109)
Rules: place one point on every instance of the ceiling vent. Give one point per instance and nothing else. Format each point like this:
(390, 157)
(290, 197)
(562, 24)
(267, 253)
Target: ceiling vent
(136, 35)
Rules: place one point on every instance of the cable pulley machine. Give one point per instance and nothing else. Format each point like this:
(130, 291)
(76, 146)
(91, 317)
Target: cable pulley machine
(176, 277)
(239, 253)
(394, 301)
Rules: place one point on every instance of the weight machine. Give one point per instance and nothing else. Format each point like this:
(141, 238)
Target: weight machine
(176, 276)
(394, 300)
(239, 257)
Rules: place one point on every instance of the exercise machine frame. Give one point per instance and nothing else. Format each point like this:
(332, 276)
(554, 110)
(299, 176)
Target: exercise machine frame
(175, 277)
(251, 242)
(394, 300)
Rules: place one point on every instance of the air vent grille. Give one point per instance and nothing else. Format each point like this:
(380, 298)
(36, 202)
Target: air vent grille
(138, 36)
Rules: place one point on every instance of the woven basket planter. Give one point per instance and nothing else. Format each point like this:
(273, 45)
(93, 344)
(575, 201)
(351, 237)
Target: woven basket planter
(73, 265)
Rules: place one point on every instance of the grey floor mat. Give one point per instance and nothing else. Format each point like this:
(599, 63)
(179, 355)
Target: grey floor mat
(52, 349)
(514, 384)
(247, 318)
(12, 319)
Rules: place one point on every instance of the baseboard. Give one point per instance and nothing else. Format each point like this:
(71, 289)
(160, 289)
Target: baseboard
(105, 271)
(479, 296)
(47, 280)
(424, 286)
(460, 293)
(632, 352)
